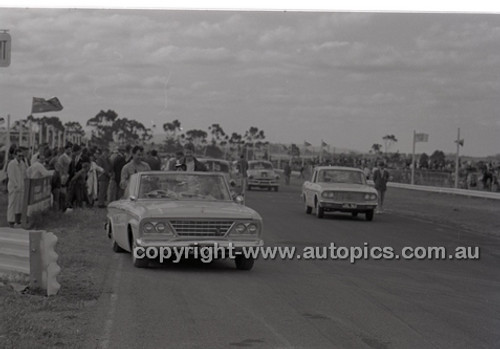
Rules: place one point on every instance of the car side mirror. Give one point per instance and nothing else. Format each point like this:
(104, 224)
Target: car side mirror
(239, 199)
(132, 198)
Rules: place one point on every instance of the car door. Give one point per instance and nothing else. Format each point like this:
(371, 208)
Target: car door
(308, 189)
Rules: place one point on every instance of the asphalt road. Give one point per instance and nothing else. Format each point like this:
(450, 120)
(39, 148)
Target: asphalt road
(314, 303)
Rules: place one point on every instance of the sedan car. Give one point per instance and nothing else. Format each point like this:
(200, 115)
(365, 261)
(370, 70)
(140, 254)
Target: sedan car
(179, 210)
(343, 189)
(261, 174)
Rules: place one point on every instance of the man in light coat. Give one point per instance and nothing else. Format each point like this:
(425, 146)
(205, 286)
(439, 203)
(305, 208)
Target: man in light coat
(16, 172)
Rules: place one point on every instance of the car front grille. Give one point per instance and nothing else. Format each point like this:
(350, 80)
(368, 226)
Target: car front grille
(201, 227)
(349, 197)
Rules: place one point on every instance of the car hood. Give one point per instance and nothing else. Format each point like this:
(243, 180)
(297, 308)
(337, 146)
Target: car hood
(270, 173)
(359, 188)
(187, 209)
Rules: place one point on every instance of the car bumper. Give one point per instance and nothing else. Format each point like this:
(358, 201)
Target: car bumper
(347, 206)
(262, 183)
(200, 243)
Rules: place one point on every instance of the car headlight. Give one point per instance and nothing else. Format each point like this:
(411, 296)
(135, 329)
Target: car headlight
(161, 227)
(149, 227)
(252, 228)
(373, 197)
(328, 194)
(368, 197)
(240, 228)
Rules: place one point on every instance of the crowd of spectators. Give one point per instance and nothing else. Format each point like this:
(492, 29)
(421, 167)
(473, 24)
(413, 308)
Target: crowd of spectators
(85, 176)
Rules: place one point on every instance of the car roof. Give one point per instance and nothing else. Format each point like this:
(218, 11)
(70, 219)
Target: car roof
(343, 168)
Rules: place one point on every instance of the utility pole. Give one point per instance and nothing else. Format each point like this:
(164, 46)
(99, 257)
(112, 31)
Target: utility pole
(413, 160)
(459, 142)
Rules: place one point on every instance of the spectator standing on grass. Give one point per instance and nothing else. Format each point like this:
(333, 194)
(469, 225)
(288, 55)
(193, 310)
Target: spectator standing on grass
(37, 168)
(103, 161)
(136, 165)
(92, 179)
(16, 172)
(153, 161)
(287, 172)
(380, 178)
(118, 161)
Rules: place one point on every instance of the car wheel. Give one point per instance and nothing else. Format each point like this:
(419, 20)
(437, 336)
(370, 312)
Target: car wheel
(308, 208)
(276, 188)
(114, 245)
(138, 262)
(369, 215)
(249, 188)
(319, 211)
(243, 263)
(354, 214)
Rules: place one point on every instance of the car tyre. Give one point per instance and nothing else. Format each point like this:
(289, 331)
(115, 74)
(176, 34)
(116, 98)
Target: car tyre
(354, 214)
(276, 188)
(114, 245)
(308, 208)
(320, 211)
(369, 215)
(243, 263)
(138, 263)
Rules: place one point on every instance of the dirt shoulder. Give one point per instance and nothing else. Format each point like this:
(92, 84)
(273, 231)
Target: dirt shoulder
(32, 320)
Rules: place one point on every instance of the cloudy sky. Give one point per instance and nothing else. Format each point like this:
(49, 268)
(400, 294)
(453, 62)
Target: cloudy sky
(346, 78)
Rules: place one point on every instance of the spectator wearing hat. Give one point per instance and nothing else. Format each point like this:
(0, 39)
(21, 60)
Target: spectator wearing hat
(380, 178)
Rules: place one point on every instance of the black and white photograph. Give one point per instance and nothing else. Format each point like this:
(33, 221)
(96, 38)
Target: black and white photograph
(249, 177)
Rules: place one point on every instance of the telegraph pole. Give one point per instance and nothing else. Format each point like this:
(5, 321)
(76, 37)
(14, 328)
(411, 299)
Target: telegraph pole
(413, 160)
(458, 141)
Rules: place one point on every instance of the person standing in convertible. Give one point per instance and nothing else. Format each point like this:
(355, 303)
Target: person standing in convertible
(189, 163)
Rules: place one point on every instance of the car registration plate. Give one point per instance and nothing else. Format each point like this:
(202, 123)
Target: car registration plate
(263, 174)
(349, 205)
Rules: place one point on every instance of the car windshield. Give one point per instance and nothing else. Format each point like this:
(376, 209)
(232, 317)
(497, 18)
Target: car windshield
(341, 176)
(216, 166)
(260, 165)
(183, 186)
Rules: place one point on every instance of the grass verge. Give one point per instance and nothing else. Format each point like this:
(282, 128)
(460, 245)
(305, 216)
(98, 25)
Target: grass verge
(32, 320)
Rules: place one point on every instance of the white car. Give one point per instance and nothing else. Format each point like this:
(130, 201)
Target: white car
(182, 209)
(260, 174)
(342, 189)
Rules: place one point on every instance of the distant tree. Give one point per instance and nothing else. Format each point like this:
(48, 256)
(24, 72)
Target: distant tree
(217, 133)
(252, 135)
(172, 129)
(376, 148)
(102, 126)
(235, 142)
(423, 161)
(389, 140)
(438, 159)
(197, 137)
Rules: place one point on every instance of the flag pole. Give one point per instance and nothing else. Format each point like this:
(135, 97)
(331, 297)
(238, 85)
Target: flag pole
(7, 148)
(456, 159)
(413, 161)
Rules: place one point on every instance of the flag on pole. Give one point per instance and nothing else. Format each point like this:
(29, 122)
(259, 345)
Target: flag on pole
(460, 142)
(323, 144)
(41, 105)
(421, 137)
(2, 120)
(307, 144)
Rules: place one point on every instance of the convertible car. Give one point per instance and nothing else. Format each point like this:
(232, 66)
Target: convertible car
(261, 174)
(182, 210)
(342, 189)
